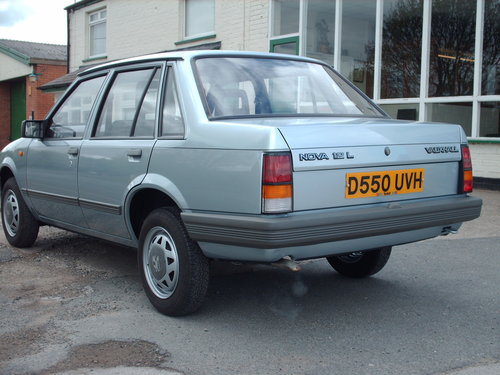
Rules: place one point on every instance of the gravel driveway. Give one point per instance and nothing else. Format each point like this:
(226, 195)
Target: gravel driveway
(75, 305)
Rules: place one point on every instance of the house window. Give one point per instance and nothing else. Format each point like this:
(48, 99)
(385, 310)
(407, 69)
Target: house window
(490, 84)
(199, 18)
(358, 43)
(419, 59)
(320, 30)
(97, 33)
(286, 15)
(452, 48)
(401, 50)
(285, 27)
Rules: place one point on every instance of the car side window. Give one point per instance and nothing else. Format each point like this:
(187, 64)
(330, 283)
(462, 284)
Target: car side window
(130, 105)
(71, 118)
(173, 123)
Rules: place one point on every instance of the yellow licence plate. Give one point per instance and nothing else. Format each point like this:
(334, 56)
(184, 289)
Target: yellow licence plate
(372, 184)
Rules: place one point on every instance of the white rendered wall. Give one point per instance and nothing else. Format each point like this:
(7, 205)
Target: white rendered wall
(136, 28)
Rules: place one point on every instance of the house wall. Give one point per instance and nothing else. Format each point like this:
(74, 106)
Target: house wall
(485, 159)
(137, 28)
(11, 68)
(257, 25)
(242, 25)
(38, 101)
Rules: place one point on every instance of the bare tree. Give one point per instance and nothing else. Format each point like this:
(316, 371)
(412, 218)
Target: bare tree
(453, 28)
(401, 51)
(452, 48)
(491, 49)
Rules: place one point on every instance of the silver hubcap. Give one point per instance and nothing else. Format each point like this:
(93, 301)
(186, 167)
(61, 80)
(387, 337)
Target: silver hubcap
(161, 262)
(11, 213)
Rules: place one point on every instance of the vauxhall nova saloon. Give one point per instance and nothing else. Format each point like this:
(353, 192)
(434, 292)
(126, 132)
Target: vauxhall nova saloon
(195, 156)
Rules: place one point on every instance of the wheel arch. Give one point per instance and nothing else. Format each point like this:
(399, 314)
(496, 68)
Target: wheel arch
(142, 201)
(5, 173)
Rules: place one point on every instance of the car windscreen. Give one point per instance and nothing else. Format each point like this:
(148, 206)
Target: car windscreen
(248, 87)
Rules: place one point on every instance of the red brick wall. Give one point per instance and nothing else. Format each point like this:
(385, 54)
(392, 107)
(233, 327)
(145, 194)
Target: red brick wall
(4, 113)
(37, 100)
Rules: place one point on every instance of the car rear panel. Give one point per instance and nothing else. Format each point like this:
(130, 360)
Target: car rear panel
(342, 164)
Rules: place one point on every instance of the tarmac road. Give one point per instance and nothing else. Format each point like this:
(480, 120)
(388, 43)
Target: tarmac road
(74, 305)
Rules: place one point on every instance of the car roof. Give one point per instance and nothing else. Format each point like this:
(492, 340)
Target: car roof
(189, 55)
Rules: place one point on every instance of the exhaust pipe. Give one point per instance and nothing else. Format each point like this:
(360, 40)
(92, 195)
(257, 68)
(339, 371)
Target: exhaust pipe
(287, 263)
(447, 230)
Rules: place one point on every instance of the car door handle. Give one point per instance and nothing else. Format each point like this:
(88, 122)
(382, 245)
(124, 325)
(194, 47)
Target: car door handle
(73, 151)
(135, 153)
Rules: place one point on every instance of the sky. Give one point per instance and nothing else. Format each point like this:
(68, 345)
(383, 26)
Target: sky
(42, 21)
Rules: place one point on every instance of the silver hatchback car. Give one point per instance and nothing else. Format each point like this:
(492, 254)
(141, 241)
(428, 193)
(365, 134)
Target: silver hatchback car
(194, 156)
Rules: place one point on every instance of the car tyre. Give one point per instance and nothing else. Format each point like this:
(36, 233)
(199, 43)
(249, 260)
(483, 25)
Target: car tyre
(361, 264)
(173, 269)
(19, 225)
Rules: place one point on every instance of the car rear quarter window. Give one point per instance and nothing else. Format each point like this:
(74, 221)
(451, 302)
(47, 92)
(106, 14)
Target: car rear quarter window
(173, 122)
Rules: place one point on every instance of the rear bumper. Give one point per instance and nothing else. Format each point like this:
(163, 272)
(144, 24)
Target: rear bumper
(330, 225)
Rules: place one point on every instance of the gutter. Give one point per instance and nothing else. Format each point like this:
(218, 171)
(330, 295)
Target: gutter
(15, 54)
(81, 4)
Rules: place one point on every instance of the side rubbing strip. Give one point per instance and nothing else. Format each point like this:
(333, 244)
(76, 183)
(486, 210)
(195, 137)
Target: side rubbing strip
(103, 207)
(108, 208)
(53, 197)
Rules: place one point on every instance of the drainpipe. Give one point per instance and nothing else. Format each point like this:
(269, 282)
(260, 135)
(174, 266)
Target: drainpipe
(68, 41)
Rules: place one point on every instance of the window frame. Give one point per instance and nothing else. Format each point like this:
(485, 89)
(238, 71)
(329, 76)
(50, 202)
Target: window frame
(170, 67)
(209, 33)
(328, 69)
(422, 99)
(161, 66)
(278, 41)
(72, 88)
(91, 24)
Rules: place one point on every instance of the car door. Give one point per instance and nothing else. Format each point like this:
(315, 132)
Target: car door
(116, 155)
(52, 162)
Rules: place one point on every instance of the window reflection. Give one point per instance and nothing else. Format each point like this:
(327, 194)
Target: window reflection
(320, 30)
(285, 17)
(358, 43)
(453, 113)
(402, 39)
(407, 111)
(453, 36)
(491, 48)
(452, 49)
(286, 48)
(276, 87)
(490, 119)
(200, 17)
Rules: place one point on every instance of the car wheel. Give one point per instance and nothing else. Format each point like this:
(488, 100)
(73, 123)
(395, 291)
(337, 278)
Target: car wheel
(19, 225)
(361, 264)
(174, 271)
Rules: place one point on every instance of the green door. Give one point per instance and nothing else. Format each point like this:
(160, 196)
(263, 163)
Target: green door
(17, 108)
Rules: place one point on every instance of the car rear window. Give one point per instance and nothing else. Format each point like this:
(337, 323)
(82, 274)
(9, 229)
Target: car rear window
(245, 86)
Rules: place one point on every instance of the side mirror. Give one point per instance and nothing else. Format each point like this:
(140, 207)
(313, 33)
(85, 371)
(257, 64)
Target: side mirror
(33, 129)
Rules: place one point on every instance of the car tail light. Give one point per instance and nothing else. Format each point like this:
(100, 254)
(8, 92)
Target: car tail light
(467, 180)
(277, 184)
